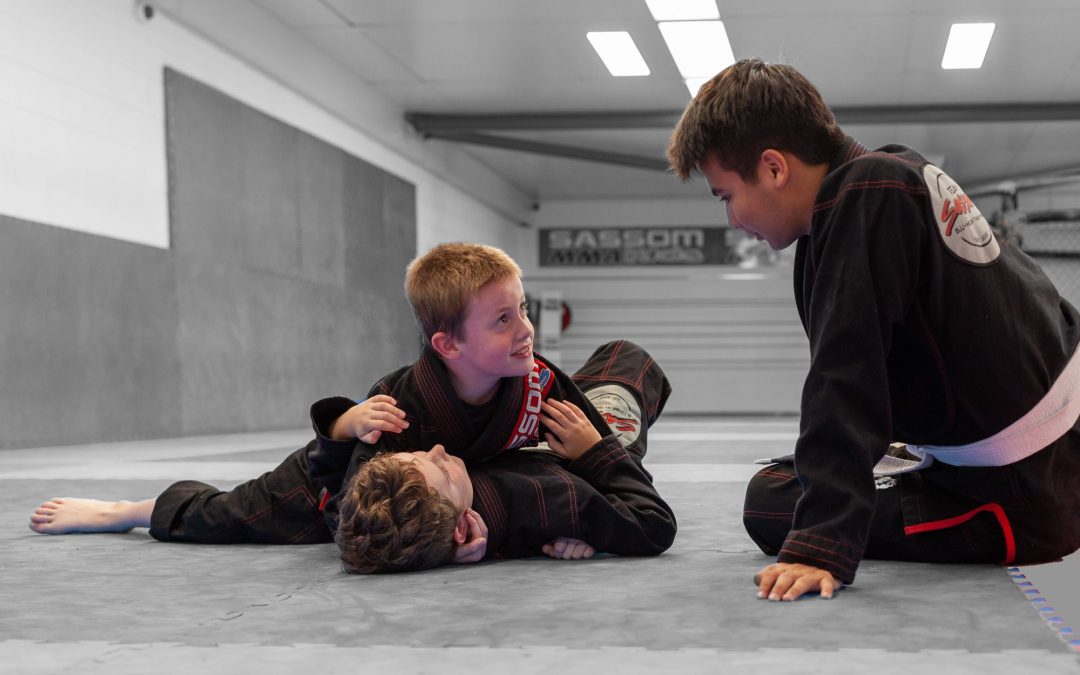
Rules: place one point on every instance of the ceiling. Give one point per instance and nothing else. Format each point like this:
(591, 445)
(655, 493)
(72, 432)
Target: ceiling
(510, 57)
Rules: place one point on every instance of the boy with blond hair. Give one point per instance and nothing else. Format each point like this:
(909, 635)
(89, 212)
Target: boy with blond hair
(477, 390)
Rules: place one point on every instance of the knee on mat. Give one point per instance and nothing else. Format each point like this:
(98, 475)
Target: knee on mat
(769, 508)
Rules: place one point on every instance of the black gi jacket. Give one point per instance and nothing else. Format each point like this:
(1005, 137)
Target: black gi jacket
(605, 497)
(913, 338)
(528, 498)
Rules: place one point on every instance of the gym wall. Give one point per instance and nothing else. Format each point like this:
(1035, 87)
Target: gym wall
(282, 285)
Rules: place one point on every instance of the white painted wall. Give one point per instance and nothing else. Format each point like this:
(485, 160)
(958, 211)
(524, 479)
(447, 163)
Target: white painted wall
(82, 121)
(82, 133)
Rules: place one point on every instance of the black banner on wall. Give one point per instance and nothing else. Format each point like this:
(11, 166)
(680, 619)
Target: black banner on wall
(630, 246)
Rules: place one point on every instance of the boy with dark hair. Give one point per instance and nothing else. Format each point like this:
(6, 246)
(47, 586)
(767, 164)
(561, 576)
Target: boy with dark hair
(923, 328)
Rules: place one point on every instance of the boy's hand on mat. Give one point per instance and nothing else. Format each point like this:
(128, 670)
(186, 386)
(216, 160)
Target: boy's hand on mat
(571, 432)
(369, 420)
(567, 548)
(789, 581)
(475, 545)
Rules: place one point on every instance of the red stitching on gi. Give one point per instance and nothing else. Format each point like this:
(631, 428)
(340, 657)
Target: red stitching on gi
(571, 493)
(828, 561)
(611, 359)
(768, 514)
(300, 489)
(540, 502)
(303, 533)
(596, 459)
(429, 384)
(486, 492)
(818, 548)
(771, 473)
(866, 185)
(946, 523)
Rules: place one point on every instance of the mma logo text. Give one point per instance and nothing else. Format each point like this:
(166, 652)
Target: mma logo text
(626, 238)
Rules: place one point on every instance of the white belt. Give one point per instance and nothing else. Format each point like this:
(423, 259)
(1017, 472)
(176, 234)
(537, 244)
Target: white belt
(1049, 420)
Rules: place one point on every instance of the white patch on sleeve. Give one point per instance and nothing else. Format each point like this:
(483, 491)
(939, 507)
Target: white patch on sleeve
(962, 227)
(619, 409)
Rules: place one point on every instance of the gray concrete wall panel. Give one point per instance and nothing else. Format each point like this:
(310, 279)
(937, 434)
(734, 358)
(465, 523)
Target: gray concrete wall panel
(283, 285)
(88, 341)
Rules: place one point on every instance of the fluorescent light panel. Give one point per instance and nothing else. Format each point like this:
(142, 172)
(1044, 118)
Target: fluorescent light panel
(683, 10)
(967, 45)
(700, 48)
(619, 53)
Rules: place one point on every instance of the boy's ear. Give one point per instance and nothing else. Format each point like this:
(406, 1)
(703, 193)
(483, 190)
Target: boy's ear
(776, 165)
(461, 529)
(444, 345)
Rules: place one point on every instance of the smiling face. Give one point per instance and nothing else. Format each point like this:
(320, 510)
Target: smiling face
(764, 209)
(495, 342)
(446, 474)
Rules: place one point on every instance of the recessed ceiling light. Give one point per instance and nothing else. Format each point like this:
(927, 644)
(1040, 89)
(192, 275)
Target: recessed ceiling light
(967, 45)
(619, 53)
(700, 48)
(683, 10)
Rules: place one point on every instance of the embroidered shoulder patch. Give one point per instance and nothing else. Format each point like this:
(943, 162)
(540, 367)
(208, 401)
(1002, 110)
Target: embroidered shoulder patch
(962, 227)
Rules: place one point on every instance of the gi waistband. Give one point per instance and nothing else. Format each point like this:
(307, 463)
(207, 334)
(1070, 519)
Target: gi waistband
(1049, 420)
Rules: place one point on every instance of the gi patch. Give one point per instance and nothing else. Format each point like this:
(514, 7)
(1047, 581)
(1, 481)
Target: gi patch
(884, 482)
(619, 409)
(962, 227)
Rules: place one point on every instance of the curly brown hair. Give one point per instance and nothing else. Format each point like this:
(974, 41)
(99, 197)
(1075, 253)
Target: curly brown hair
(390, 520)
(748, 107)
(440, 283)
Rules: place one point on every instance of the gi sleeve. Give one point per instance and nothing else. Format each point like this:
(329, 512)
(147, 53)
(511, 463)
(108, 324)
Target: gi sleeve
(625, 515)
(865, 251)
(328, 460)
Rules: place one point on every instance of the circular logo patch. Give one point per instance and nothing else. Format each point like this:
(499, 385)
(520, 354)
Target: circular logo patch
(962, 227)
(619, 409)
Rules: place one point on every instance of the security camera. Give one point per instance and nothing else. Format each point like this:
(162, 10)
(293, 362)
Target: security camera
(144, 11)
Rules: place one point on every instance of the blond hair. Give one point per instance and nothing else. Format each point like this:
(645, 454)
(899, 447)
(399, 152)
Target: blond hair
(390, 520)
(747, 108)
(440, 283)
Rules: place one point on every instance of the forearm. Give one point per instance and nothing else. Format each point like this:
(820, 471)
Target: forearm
(628, 516)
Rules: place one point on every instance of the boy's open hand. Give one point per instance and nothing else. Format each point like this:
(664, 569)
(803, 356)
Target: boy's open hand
(475, 545)
(567, 548)
(369, 420)
(571, 432)
(789, 581)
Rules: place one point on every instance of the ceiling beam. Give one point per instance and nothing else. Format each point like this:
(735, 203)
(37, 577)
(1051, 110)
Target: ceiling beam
(554, 149)
(914, 114)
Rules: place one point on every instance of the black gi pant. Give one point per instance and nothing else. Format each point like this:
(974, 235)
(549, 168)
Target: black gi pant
(278, 507)
(1024, 513)
(282, 506)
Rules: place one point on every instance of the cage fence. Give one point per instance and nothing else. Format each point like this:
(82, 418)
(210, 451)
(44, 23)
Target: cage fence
(1051, 237)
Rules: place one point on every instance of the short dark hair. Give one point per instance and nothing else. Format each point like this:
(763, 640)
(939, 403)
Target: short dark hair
(390, 520)
(748, 107)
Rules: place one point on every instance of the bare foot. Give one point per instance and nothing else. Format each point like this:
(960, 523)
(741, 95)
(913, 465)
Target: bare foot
(66, 515)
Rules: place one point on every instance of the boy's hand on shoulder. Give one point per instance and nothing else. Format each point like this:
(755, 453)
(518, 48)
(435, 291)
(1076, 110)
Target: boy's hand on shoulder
(568, 548)
(571, 432)
(369, 420)
(789, 581)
